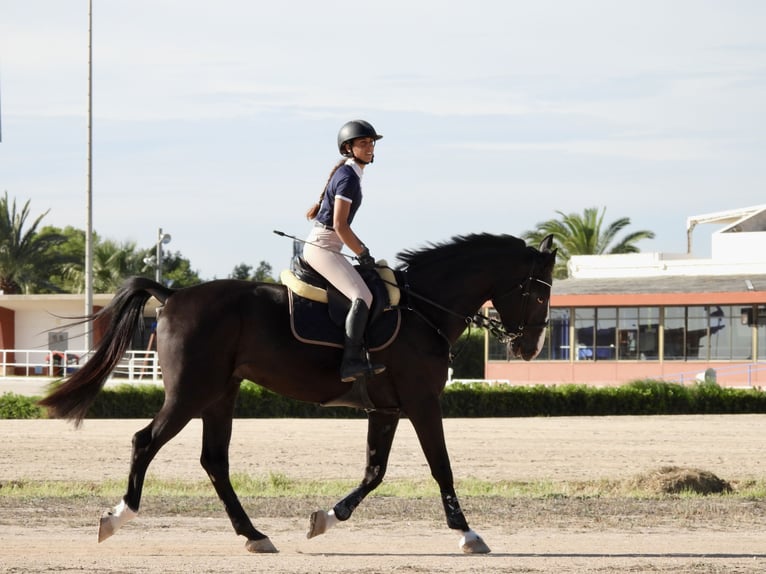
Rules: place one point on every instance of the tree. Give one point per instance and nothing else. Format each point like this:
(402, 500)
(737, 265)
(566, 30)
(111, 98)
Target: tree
(262, 274)
(27, 258)
(176, 270)
(113, 263)
(576, 234)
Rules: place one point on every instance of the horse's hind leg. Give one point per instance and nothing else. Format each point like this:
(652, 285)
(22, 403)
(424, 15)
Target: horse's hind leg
(146, 444)
(381, 428)
(216, 436)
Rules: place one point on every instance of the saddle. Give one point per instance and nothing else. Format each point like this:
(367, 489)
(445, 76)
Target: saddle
(318, 310)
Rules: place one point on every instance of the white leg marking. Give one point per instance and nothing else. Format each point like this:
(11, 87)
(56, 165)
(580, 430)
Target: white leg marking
(320, 522)
(112, 520)
(472, 543)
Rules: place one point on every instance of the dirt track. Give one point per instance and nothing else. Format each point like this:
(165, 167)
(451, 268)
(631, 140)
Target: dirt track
(541, 536)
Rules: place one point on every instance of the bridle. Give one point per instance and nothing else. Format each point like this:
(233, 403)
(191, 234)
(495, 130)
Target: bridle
(495, 327)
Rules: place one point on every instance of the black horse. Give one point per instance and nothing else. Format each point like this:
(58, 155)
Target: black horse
(212, 336)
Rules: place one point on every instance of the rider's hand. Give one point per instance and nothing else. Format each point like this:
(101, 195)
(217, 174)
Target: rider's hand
(366, 261)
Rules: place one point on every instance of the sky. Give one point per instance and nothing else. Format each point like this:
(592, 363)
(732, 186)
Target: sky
(217, 121)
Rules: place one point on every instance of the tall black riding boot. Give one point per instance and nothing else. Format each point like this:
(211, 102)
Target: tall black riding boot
(355, 363)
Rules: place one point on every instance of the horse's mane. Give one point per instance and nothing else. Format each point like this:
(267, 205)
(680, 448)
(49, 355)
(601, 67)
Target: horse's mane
(436, 252)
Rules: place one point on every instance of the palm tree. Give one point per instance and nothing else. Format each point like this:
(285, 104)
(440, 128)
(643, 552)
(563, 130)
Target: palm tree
(112, 263)
(27, 258)
(576, 234)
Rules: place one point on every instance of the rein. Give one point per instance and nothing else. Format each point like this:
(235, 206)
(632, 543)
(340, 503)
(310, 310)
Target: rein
(493, 326)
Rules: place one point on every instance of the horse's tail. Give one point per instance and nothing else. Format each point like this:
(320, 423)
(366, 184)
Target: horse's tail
(72, 398)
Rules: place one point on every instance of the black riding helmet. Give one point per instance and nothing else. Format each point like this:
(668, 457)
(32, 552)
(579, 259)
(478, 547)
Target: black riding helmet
(352, 130)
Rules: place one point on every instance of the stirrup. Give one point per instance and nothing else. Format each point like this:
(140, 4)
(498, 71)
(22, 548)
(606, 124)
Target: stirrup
(360, 369)
(356, 397)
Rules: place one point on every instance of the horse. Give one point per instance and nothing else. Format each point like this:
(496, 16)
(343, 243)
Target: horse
(214, 335)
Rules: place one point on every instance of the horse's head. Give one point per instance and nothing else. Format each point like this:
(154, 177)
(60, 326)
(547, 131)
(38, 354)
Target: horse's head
(524, 308)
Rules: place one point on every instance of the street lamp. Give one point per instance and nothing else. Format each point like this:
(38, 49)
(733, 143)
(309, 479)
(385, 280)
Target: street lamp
(156, 260)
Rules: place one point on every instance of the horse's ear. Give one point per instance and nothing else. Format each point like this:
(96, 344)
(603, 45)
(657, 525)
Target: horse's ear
(547, 243)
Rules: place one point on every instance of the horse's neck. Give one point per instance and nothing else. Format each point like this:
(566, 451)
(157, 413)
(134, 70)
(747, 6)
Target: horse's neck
(449, 296)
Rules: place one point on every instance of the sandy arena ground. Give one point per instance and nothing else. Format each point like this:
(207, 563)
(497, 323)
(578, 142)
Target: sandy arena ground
(377, 539)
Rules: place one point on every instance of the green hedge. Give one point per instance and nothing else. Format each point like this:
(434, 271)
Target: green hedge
(644, 397)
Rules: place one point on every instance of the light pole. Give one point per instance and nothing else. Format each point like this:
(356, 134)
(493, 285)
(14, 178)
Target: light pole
(89, 185)
(162, 239)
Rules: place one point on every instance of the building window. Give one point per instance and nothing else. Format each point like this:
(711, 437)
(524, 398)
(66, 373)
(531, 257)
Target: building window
(638, 333)
(675, 334)
(694, 333)
(729, 338)
(585, 335)
(595, 333)
(557, 343)
(606, 333)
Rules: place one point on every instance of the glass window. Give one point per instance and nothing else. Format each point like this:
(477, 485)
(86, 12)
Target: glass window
(648, 333)
(606, 333)
(720, 338)
(638, 333)
(760, 321)
(585, 335)
(556, 346)
(557, 340)
(674, 328)
(729, 337)
(741, 336)
(627, 333)
(697, 334)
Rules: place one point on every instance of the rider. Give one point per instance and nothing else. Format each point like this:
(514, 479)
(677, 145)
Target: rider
(332, 216)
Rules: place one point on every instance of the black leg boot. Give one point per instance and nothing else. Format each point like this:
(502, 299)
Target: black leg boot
(355, 363)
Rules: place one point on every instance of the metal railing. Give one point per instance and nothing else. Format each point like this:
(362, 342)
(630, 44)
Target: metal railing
(739, 375)
(135, 366)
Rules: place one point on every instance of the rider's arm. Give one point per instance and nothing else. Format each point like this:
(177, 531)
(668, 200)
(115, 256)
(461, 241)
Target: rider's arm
(343, 229)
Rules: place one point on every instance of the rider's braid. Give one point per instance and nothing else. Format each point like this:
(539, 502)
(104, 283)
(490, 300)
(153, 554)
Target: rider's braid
(314, 209)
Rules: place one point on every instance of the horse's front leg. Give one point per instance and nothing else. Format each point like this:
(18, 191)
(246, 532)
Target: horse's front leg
(427, 421)
(380, 435)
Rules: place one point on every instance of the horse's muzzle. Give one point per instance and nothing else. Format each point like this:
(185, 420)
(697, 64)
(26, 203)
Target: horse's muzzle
(527, 348)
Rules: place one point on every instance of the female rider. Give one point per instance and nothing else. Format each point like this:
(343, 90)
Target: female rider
(333, 215)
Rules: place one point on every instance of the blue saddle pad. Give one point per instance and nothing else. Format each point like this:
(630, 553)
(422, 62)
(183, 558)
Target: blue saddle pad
(311, 323)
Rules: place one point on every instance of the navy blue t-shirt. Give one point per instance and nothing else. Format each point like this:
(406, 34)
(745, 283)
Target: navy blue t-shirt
(345, 183)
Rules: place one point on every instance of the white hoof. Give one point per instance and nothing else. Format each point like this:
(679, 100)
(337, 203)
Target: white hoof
(112, 520)
(472, 543)
(320, 522)
(262, 546)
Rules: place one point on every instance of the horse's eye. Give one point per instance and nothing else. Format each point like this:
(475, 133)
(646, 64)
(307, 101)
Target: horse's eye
(540, 300)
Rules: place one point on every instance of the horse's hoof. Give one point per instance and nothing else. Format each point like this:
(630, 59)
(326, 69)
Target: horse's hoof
(472, 543)
(112, 520)
(317, 524)
(105, 527)
(262, 546)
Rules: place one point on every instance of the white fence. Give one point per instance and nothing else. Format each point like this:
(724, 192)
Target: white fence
(135, 365)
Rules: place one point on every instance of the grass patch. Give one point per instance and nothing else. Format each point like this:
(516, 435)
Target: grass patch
(278, 485)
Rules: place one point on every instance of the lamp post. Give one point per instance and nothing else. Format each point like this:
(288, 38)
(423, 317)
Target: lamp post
(156, 259)
(89, 190)
(162, 239)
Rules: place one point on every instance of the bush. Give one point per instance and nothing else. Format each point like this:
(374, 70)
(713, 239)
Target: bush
(644, 397)
(14, 406)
